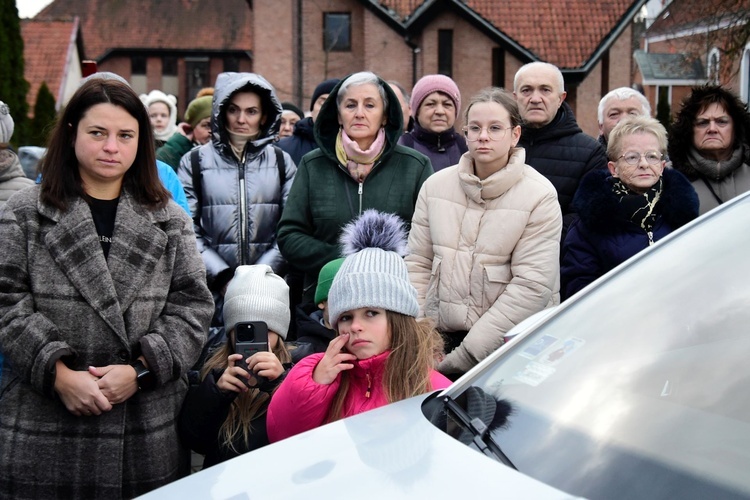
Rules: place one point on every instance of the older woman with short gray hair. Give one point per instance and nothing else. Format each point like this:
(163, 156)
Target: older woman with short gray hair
(358, 166)
(627, 208)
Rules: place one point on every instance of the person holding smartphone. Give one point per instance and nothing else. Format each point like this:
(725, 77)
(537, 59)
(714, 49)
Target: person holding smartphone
(225, 415)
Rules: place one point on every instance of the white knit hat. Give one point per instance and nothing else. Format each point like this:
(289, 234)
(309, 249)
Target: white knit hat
(257, 294)
(374, 273)
(171, 102)
(6, 123)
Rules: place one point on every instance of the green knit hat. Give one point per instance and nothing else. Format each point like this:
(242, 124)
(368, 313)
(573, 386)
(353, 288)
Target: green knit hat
(325, 279)
(198, 109)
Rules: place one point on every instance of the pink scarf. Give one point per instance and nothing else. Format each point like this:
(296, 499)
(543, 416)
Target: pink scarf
(359, 163)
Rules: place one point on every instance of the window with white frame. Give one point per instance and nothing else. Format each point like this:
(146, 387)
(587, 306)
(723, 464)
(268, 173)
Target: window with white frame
(712, 66)
(745, 74)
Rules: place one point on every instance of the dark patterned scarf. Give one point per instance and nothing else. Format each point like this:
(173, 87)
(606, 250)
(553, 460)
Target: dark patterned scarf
(639, 208)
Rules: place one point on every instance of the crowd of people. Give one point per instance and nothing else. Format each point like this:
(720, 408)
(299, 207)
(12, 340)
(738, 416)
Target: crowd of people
(376, 249)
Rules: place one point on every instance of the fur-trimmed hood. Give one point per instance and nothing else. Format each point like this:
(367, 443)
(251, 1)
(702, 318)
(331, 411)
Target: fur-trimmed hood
(600, 211)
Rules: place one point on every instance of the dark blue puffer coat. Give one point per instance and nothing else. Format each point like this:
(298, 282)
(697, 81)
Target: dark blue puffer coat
(603, 236)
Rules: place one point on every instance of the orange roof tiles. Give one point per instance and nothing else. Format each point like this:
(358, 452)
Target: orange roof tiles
(166, 24)
(403, 8)
(45, 52)
(563, 32)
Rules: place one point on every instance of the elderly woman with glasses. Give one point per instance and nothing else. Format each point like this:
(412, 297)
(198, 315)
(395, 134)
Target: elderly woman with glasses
(627, 208)
(485, 237)
(710, 143)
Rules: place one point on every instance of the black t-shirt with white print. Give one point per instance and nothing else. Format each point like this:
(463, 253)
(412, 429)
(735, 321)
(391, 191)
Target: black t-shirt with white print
(104, 212)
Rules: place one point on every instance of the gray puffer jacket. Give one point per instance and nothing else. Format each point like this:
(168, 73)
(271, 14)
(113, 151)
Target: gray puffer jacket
(241, 200)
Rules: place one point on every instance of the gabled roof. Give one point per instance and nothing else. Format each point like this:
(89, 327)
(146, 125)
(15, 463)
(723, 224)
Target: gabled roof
(674, 67)
(47, 52)
(188, 25)
(570, 34)
(685, 15)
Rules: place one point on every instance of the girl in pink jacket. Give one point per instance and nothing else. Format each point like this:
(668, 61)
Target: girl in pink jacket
(382, 354)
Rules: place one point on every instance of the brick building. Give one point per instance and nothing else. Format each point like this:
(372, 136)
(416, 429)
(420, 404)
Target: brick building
(181, 45)
(693, 42)
(178, 46)
(297, 43)
(52, 52)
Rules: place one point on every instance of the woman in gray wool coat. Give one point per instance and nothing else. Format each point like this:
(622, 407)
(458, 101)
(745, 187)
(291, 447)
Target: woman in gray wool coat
(103, 309)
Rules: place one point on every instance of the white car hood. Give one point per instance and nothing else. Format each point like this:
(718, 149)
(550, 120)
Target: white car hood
(389, 453)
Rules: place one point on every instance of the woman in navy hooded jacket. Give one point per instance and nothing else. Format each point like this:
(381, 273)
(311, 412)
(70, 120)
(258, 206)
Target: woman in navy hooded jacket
(627, 208)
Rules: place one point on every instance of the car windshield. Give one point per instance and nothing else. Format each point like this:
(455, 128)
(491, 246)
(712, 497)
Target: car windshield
(639, 387)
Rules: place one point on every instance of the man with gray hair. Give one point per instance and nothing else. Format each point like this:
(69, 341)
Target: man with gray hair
(616, 105)
(555, 144)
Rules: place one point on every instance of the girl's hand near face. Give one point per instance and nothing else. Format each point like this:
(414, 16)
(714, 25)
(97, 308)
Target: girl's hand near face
(234, 378)
(265, 364)
(334, 361)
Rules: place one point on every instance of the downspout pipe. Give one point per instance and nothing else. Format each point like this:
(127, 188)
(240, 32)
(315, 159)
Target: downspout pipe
(414, 51)
(299, 67)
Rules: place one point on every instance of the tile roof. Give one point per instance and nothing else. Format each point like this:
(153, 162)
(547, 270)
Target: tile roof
(45, 50)
(566, 33)
(655, 66)
(685, 14)
(402, 8)
(166, 24)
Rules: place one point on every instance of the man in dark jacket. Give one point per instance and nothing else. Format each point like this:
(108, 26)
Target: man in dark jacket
(302, 140)
(555, 144)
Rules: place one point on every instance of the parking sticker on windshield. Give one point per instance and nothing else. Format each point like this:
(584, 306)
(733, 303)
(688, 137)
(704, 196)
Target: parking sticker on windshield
(534, 374)
(538, 346)
(562, 351)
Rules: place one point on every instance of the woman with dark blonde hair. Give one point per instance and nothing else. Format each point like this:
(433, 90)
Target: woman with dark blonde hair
(381, 355)
(485, 237)
(103, 310)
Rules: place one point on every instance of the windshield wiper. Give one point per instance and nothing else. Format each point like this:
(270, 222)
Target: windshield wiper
(480, 431)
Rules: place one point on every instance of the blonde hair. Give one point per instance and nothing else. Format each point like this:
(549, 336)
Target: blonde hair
(635, 125)
(414, 347)
(246, 406)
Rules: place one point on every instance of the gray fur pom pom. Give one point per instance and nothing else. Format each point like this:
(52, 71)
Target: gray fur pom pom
(374, 229)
